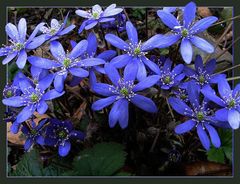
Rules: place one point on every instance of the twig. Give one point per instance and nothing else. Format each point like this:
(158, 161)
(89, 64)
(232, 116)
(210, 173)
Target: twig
(155, 141)
(170, 110)
(233, 78)
(227, 20)
(238, 65)
(126, 14)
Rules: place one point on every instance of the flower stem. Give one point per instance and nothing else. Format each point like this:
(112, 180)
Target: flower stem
(227, 20)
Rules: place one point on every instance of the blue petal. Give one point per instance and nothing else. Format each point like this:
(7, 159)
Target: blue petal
(193, 94)
(52, 94)
(115, 113)
(209, 93)
(123, 118)
(12, 32)
(34, 33)
(26, 113)
(146, 83)
(144, 103)
(112, 73)
(67, 30)
(213, 135)
(180, 106)
(78, 72)
(210, 66)
(22, 59)
(132, 33)
(42, 62)
(100, 104)
(64, 148)
(185, 127)
(25, 86)
(153, 67)
(91, 25)
(79, 49)
(189, 14)
(57, 50)
(45, 82)
(15, 127)
(234, 118)
(236, 90)
(82, 27)
(167, 40)
(121, 61)
(107, 55)
(130, 71)
(102, 20)
(142, 73)
(102, 89)
(203, 137)
(40, 140)
(186, 50)
(42, 107)
(36, 42)
(22, 29)
(59, 82)
(83, 13)
(92, 44)
(109, 11)
(202, 44)
(178, 69)
(91, 62)
(203, 24)
(28, 144)
(9, 58)
(77, 135)
(217, 77)
(167, 65)
(198, 64)
(15, 101)
(116, 41)
(224, 88)
(168, 19)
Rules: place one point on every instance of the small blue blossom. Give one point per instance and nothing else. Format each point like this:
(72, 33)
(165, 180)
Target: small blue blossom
(65, 62)
(135, 49)
(33, 98)
(229, 100)
(19, 44)
(59, 133)
(122, 92)
(97, 15)
(187, 31)
(170, 78)
(203, 75)
(200, 116)
(33, 133)
(181, 93)
(118, 24)
(55, 30)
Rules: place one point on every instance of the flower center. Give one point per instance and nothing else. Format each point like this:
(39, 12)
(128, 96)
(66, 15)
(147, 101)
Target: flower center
(232, 103)
(200, 116)
(34, 97)
(201, 79)
(9, 93)
(52, 31)
(137, 51)
(183, 96)
(124, 91)
(34, 131)
(184, 32)
(19, 46)
(62, 134)
(66, 62)
(167, 79)
(95, 15)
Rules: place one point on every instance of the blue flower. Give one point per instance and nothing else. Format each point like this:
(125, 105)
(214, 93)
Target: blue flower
(122, 92)
(187, 31)
(229, 100)
(59, 133)
(56, 29)
(168, 77)
(65, 62)
(33, 133)
(91, 52)
(200, 116)
(203, 75)
(181, 93)
(119, 23)
(19, 44)
(135, 49)
(97, 15)
(169, 9)
(33, 98)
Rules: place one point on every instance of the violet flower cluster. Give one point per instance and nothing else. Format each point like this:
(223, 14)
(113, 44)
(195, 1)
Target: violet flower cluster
(130, 73)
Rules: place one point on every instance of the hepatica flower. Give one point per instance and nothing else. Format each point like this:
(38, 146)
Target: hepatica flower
(59, 133)
(200, 117)
(119, 23)
(65, 62)
(122, 92)
(229, 100)
(33, 133)
(168, 77)
(33, 99)
(19, 44)
(97, 15)
(203, 75)
(135, 49)
(187, 31)
(55, 30)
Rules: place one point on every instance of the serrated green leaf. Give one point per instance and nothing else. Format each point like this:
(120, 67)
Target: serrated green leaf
(103, 159)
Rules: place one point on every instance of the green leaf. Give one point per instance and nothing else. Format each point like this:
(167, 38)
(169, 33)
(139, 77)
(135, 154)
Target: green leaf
(103, 159)
(216, 155)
